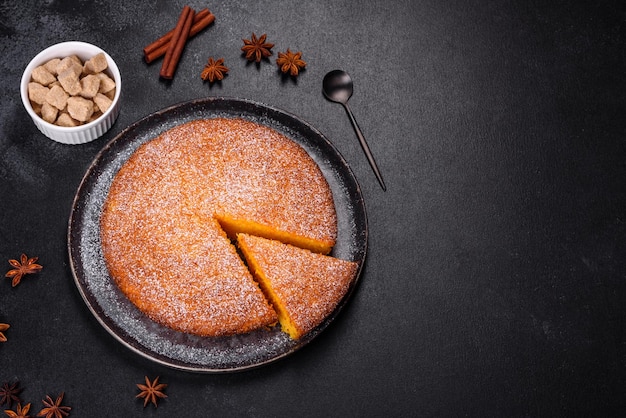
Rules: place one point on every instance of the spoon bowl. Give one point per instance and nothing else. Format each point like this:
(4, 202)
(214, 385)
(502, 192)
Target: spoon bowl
(337, 86)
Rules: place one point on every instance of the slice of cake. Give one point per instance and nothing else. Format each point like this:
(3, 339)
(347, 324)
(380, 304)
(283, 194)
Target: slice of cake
(302, 286)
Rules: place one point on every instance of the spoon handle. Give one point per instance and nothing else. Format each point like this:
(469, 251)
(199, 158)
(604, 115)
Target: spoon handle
(365, 147)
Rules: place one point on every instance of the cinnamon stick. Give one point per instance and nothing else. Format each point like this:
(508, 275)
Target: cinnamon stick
(157, 49)
(177, 43)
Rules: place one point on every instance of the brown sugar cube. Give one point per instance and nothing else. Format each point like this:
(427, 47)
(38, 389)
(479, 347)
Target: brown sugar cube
(70, 81)
(96, 64)
(79, 108)
(106, 83)
(64, 64)
(42, 76)
(102, 102)
(49, 113)
(37, 93)
(36, 107)
(95, 116)
(77, 60)
(90, 84)
(65, 119)
(69, 63)
(110, 94)
(52, 65)
(57, 97)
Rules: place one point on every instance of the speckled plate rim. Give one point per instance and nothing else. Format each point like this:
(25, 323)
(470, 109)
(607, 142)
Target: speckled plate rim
(161, 344)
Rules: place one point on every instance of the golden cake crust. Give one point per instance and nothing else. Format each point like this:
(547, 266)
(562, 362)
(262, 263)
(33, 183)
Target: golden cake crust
(161, 238)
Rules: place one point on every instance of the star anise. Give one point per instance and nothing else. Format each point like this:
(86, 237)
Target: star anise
(214, 70)
(54, 409)
(257, 49)
(151, 391)
(290, 62)
(3, 338)
(19, 412)
(22, 267)
(9, 393)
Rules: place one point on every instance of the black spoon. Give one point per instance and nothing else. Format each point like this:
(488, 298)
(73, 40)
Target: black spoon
(337, 87)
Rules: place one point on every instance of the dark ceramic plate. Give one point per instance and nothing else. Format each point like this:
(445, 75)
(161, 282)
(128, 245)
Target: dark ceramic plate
(161, 344)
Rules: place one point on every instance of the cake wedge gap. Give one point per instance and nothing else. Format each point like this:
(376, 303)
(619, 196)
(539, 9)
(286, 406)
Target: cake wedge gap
(234, 226)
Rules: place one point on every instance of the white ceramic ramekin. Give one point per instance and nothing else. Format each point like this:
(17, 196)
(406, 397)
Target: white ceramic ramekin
(76, 134)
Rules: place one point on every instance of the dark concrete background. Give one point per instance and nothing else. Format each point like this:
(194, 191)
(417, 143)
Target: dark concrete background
(495, 277)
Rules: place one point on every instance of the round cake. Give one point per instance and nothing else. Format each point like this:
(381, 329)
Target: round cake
(175, 206)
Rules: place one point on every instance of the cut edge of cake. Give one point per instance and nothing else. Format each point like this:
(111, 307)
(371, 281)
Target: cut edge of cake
(233, 227)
